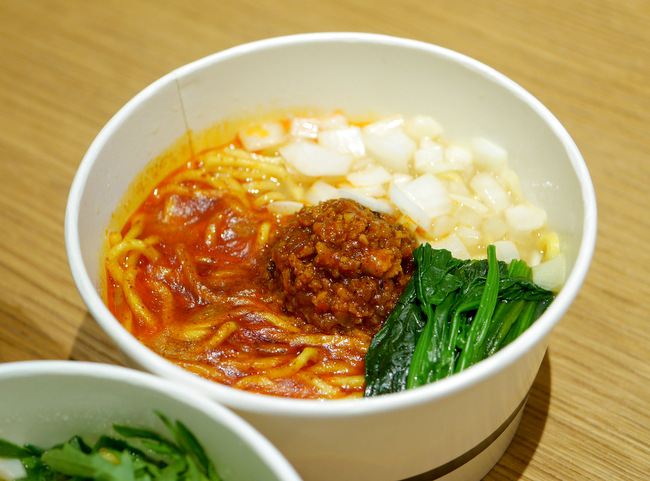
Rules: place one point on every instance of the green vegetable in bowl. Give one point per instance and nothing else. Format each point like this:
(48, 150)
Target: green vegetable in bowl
(452, 314)
(154, 458)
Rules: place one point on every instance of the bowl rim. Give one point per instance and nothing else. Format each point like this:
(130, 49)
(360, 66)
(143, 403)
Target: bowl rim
(258, 403)
(257, 442)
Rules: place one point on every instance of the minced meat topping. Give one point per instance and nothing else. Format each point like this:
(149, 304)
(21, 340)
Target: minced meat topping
(339, 265)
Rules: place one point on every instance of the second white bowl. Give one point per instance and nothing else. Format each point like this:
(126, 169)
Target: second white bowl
(44, 403)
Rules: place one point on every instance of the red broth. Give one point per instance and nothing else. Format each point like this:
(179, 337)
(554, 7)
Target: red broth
(184, 279)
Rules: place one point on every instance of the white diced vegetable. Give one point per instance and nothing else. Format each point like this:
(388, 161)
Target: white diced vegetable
(321, 191)
(384, 126)
(470, 202)
(360, 163)
(408, 206)
(469, 235)
(550, 274)
(371, 175)
(374, 190)
(346, 141)
(443, 226)
(454, 245)
(494, 227)
(506, 251)
(525, 218)
(422, 126)
(458, 155)
(459, 187)
(434, 158)
(429, 158)
(372, 203)
(263, 136)
(315, 160)
(510, 180)
(422, 199)
(431, 194)
(466, 216)
(393, 149)
(334, 121)
(535, 258)
(400, 178)
(490, 191)
(304, 128)
(11, 469)
(488, 155)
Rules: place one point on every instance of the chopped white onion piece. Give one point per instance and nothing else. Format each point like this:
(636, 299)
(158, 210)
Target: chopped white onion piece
(263, 136)
(407, 206)
(11, 469)
(459, 187)
(488, 155)
(377, 205)
(535, 258)
(443, 226)
(314, 160)
(490, 191)
(443, 167)
(454, 245)
(393, 149)
(434, 158)
(383, 126)
(400, 178)
(427, 142)
(360, 163)
(304, 128)
(494, 227)
(466, 216)
(469, 235)
(422, 199)
(321, 191)
(525, 218)
(346, 140)
(470, 202)
(506, 251)
(510, 179)
(374, 190)
(371, 175)
(284, 207)
(422, 126)
(334, 121)
(550, 274)
(458, 155)
(430, 193)
(429, 158)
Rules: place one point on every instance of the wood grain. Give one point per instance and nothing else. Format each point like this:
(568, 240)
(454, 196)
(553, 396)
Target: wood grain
(67, 66)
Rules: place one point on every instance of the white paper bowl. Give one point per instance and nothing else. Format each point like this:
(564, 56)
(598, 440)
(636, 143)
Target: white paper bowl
(454, 429)
(47, 402)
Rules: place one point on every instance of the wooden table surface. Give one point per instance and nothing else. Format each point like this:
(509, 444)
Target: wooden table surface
(67, 66)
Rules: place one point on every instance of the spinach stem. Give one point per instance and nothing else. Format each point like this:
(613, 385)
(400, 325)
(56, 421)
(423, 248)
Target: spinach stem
(481, 321)
(429, 347)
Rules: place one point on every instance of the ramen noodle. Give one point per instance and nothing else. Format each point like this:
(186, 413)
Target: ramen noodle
(191, 274)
